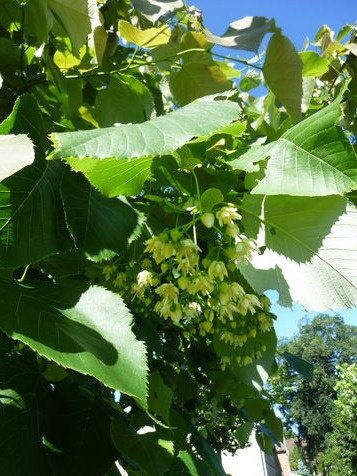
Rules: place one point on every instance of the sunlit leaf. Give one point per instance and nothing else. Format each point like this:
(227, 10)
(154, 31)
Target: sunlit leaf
(313, 64)
(312, 240)
(148, 38)
(312, 158)
(158, 136)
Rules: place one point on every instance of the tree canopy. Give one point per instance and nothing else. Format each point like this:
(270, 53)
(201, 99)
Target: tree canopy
(309, 407)
(148, 200)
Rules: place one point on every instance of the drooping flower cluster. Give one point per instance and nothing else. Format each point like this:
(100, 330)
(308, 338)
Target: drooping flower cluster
(205, 293)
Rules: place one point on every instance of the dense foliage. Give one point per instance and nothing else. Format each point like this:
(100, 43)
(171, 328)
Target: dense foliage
(341, 457)
(309, 407)
(147, 202)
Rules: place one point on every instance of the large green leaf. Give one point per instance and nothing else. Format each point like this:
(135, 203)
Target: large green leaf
(22, 406)
(78, 427)
(87, 329)
(244, 34)
(158, 136)
(313, 241)
(101, 226)
(125, 100)
(312, 158)
(32, 224)
(74, 17)
(283, 73)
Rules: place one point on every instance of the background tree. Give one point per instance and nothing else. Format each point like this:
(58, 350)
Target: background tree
(341, 457)
(309, 407)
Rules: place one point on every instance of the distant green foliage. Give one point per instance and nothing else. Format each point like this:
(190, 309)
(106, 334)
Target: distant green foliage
(341, 457)
(312, 408)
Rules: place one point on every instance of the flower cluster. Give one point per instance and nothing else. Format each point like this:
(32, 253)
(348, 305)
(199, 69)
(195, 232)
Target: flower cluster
(202, 291)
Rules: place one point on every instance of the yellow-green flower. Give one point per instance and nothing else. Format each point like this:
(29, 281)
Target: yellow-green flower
(227, 215)
(120, 280)
(217, 269)
(201, 284)
(144, 279)
(232, 230)
(248, 303)
(168, 292)
(208, 220)
(108, 271)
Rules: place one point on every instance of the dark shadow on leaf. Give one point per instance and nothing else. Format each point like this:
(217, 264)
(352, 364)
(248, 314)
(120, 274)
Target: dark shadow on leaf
(299, 224)
(53, 317)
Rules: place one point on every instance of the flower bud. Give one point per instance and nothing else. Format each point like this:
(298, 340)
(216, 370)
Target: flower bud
(208, 220)
(175, 234)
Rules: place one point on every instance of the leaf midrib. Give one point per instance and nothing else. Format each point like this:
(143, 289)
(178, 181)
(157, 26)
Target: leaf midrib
(318, 159)
(28, 197)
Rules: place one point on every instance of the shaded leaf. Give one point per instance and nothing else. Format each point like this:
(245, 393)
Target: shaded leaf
(250, 80)
(78, 426)
(32, 224)
(141, 452)
(101, 226)
(68, 323)
(155, 9)
(22, 406)
(243, 432)
(302, 366)
(160, 396)
(200, 75)
(195, 80)
(210, 198)
(244, 34)
(282, 71)
(73, 16)
(125, 100)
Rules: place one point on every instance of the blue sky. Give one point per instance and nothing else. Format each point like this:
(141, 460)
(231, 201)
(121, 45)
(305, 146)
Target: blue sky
(298, 20)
